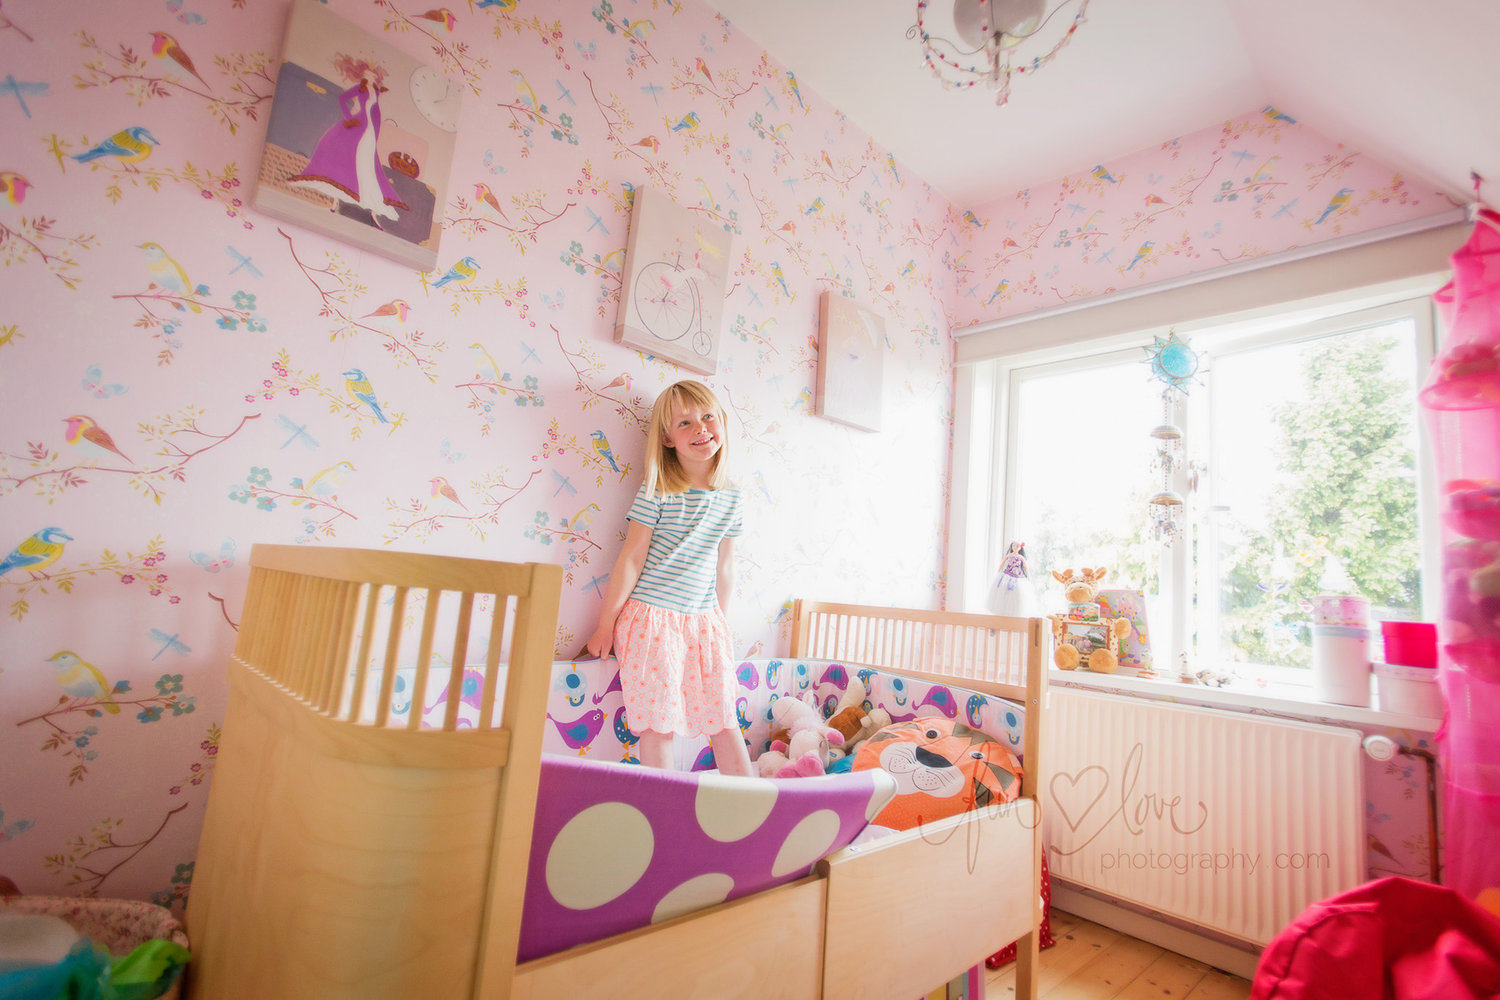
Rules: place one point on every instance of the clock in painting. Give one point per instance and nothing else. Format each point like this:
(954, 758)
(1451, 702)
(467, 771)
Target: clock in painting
(436, 97)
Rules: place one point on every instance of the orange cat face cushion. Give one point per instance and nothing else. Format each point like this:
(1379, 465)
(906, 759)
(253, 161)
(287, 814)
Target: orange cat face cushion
(941, 767)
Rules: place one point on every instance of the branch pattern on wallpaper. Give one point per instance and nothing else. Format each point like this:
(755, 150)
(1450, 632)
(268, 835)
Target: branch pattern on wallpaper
(30, 569)
(405, 347)
(28, 240)
(177, 439)
(249, 79)
(82, 741)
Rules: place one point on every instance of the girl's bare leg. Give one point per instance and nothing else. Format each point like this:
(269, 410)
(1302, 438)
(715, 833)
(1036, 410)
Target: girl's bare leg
(730, 753)
(655, 749)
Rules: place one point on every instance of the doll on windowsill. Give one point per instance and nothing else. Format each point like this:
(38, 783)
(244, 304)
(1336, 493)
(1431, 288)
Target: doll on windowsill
(1013, 593)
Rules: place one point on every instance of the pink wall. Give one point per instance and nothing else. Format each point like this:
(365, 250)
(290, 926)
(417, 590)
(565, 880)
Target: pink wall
(1259, 184)
(230, 423)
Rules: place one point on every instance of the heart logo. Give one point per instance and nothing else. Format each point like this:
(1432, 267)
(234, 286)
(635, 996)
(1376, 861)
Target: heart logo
(1081, 791)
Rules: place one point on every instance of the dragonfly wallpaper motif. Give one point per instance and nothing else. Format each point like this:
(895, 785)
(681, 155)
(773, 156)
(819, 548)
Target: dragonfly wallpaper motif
(184, 376)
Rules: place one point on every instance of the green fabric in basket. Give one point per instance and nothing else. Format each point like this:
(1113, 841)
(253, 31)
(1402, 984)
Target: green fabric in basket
(88, 973)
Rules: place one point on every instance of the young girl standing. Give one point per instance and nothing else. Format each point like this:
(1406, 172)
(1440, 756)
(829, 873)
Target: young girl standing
(664, 610)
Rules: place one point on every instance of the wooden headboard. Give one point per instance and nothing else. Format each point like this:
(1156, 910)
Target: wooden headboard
(987, 653)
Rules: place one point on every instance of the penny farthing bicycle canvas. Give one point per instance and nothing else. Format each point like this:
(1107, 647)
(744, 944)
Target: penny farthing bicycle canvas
(676, 269)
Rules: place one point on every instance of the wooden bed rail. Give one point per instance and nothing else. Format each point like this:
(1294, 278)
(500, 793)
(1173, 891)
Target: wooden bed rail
(339, 846)
(988, 653)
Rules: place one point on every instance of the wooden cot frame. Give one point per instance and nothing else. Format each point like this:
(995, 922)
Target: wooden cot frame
(341, 858)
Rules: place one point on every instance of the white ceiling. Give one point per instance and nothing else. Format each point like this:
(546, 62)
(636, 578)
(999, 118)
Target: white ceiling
(1415, 86)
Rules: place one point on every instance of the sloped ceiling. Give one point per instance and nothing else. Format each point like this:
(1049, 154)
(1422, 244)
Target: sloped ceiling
(1413, 86)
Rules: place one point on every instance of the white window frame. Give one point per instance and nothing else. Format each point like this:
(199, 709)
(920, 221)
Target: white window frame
(1402, 269)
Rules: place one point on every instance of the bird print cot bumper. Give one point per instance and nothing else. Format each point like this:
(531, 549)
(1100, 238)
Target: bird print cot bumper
(617, 846)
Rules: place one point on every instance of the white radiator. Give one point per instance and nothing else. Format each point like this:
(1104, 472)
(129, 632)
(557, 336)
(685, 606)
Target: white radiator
(1228, 821)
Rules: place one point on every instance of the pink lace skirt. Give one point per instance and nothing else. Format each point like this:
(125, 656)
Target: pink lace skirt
(676, 670)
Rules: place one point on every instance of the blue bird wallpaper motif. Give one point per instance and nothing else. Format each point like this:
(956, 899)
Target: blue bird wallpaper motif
(184, 377)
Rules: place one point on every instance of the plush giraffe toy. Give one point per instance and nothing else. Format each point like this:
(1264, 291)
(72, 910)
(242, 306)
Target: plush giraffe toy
(1072, 631)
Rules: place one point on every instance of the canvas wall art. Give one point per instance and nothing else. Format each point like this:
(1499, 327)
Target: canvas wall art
(851, 362)
(672, 297)
(360, 140)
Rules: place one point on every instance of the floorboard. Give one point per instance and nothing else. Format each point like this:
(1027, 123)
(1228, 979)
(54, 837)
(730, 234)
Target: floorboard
(1093, 962)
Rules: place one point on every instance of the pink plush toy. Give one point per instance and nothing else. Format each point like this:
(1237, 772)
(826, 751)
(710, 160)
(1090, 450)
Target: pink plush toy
(811, 744)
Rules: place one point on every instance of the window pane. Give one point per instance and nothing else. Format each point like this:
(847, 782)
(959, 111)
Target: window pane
(1081, 465)
(1312, 474)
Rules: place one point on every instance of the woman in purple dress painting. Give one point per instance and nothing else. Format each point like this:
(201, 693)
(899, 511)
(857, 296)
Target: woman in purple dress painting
(345, 165)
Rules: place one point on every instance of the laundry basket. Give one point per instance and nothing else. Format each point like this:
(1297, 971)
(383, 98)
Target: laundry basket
(117, 925)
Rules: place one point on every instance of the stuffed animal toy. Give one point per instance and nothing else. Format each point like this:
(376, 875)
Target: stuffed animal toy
(1082, 629)
(941, 767)
(853, 721)
(802, 745)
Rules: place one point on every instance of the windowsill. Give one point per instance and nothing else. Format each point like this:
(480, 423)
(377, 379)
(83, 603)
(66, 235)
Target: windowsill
(1285, 700)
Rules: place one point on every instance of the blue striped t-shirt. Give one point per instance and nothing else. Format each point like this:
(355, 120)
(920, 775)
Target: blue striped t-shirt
(682, 563)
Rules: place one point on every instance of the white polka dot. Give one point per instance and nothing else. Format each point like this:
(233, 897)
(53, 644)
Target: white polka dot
(881, 794)
(731, 809)
(809, 840)
(598, 855)
(694, 894)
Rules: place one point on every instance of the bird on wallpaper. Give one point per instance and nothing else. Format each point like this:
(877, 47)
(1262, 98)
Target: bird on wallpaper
(780, 278)
(651, 143)
(441, 487)
(702, 67)
(601, 445)
(524, 92)
(689, 123)
(639, 30)
(442, 15)
(396, 307)
(81, 679)
(164, 46)
(791, 84)
(1272, 115)
(618, 381)
(613, 261)
(1141, 254)
(1104, 175)
(484, 194)
(460, 274)
(168, 275)
(37, 552)
(89, 438)
(328, 482)
(502, 4)
(579, 733)
(486, 361)
(1152, 199)
(13, 186)
(584, 518)
(970, 219)
(623, 734)
(360, 389)
(131, 145)
(815, 207)
(1338, 201)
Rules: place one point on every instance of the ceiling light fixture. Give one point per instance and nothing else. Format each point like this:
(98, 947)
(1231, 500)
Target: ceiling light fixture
(992, 29)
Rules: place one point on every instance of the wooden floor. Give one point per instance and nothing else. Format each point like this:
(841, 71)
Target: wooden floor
(1090, 962)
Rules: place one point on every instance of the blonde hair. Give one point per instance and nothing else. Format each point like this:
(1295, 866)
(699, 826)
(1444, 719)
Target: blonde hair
(664, 473)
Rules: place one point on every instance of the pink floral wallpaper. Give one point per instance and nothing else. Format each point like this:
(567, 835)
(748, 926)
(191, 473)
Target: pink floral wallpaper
(1259, 184)
(182, 376)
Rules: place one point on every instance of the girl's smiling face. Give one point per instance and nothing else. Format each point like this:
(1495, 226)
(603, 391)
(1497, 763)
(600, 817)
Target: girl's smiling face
(694, 432)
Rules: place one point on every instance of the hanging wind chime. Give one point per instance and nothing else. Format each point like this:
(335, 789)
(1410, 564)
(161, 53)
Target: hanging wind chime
(1173, 363)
